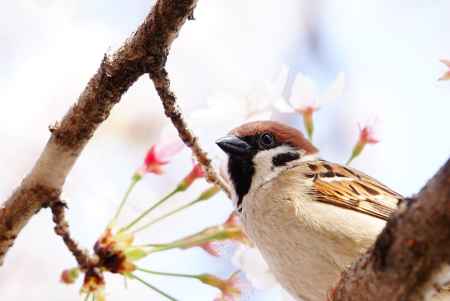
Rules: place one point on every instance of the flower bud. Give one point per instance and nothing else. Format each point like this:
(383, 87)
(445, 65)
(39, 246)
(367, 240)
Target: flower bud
(366, 136)
(230, 289)
(197, 172)
(159, 155)
(69, 276)
(209, 193)
(308, 122)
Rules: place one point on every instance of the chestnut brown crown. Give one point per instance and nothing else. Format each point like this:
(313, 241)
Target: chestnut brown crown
(282, 133)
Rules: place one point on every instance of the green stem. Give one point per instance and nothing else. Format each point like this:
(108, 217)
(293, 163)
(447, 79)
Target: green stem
(309, 124)
(87, 297)
(168, 214)
(133, 183)
(349, 160)
(357, 150)
(188, 243)
(153, 288)
(136, 220)
(168, 274)
(125, 282)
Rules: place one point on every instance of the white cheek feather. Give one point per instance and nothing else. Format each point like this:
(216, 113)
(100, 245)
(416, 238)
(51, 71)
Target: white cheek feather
(307, 158)
(266, 171)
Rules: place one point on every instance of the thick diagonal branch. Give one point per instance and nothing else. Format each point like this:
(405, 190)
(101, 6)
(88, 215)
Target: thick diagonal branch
(411, 249)
(147, 48)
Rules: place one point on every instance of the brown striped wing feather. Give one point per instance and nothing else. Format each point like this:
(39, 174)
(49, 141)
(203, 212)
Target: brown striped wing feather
(346, 187)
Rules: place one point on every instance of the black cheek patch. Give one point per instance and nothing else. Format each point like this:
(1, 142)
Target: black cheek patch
(284, 158)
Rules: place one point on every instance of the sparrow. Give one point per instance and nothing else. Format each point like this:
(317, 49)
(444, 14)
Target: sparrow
(310, 218)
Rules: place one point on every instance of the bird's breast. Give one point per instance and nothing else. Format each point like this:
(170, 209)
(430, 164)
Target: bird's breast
(305, 243)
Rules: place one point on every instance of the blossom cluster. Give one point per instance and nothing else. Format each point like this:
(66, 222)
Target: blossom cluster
(117, 252)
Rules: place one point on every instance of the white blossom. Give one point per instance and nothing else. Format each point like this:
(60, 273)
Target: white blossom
(306, 95)
(250, 261)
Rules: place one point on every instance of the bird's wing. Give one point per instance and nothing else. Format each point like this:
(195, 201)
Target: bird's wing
(346, 187)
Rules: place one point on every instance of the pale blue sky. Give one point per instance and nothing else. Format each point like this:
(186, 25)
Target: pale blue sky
(389, 51)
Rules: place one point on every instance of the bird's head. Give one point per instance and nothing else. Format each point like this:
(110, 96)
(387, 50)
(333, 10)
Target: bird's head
(258, 151)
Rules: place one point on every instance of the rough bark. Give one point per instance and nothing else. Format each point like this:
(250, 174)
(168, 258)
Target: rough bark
(62, 229)
(147, 49)
(168, 98)
(413, 246)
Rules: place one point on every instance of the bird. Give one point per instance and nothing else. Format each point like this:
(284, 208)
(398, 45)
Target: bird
(309, 217)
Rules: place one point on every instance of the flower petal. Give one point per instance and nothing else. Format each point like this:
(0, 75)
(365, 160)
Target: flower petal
(278, 85)
(445, 76)
(335, 90)
(282, 106)
(253, 265)
(164, 151)
(304, 92)
(446, 62)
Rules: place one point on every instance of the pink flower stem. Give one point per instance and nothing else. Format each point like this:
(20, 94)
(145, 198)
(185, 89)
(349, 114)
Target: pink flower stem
(216, 233)
(168, 214)
(168, 274)
(133, 183)
(153, 287)
(308, 123)
(87, 296)
(146, 212)
(357, 150)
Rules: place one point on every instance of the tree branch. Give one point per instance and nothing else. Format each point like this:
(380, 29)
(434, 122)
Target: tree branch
(162, 85)
(411, 249)
(62, 229)
(147, 48)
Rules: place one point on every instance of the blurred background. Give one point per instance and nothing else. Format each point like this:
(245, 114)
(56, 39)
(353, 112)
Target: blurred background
(389, 51)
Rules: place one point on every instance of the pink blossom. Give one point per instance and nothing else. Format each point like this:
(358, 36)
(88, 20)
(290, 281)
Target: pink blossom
(367, 135)
(159, 155)
(196, 172)
(211, 248)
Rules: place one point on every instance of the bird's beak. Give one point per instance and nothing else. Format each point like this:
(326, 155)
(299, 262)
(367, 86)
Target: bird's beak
(234, 146)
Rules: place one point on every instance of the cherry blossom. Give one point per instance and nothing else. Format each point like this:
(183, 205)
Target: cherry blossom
(196, 172)
(306, 99)
(446, 75)
(226, 110)
(367, 135)
(159, 155)
(230, 289)
(250, 261)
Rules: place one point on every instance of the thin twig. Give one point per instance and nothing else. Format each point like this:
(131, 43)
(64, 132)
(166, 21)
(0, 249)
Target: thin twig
(162, 84)
(62, 229)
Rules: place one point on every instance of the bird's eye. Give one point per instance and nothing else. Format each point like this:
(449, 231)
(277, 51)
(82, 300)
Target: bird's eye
(266, 140)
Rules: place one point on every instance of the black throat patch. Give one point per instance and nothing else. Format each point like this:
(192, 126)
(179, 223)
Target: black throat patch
(284, 158)
(241, 173)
